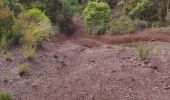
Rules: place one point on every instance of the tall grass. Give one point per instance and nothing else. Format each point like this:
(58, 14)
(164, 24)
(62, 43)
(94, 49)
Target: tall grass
(22, 69)
(25, 29)
(35, 33)
(5, 95)
(29, 51)
(143, 51)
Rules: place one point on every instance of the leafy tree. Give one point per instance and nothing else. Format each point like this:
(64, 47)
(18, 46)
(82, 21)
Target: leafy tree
(149, 10)
(144, 6)
(60, 13)
(111, 3)
(96, 17)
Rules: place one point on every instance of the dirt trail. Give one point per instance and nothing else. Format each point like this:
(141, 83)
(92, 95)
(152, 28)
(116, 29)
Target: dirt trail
(82, 38)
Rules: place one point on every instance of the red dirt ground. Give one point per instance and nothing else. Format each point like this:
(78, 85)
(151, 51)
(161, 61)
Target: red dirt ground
(82, 67)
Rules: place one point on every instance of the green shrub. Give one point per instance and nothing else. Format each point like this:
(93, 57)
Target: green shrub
(15, 6)
(22, 69)
(111, 3)
(73, 4)
(5, 78)
(96, 16)
(8, 56)
(3, 43)
(143, 10)
(143, 51)
(36, 33)
(39, 4)
(8, 34)
(140, 8)
(29, 51)
(5, 95)
(34, 26)
(6, 27)
(33, 15)
(123, 25)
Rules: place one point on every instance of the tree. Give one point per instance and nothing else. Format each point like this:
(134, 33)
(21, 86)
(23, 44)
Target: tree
(96, 17)
(60, 13)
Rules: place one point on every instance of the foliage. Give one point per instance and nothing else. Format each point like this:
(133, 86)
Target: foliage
(22, 69)
(148, 10)
(29, 51)
(123, 25)
(142, 7)
(141, 24)
(111, 3)
(72, 4)
(7, 34)
(96, 16)
(8, 56)
(39, 4)
(143, 51)
(36, 33)
(33, 15)
(15, 6)
(159, 23)
(3, 43)
(60, 13)
(5, 95)
(5, 78)
(34, 26)
(106, 1)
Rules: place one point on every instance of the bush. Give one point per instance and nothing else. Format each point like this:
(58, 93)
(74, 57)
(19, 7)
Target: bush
(8, 56)
(111, 3)
(72, 4)
(143, 10)
(5, 78)
(39, 4)
(5, 95)
(7, 34)
(31, 27)
(123, 25)
(143, 51)
(60, 13)
(14, 5)
(36, 33)
(96, 16)
(22, 69)
(34, 26)
(33, 15)
(29, 51)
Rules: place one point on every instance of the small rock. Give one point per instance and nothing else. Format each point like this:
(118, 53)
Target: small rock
(154, 67)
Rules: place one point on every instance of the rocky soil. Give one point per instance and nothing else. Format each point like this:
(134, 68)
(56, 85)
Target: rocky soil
(73, 72)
